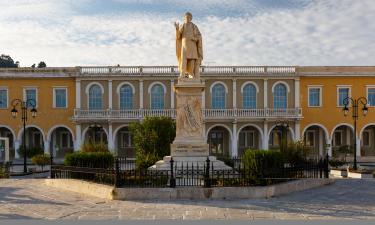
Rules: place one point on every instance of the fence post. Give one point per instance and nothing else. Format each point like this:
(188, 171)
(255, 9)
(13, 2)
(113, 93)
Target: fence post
(326, 166)
(117, 173)
(207, 182)
(172, 181)
(51, 165)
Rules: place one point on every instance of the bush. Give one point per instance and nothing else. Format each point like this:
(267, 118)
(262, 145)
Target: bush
(144, 161)
(90, 159)
(336, 163)
(31, 152)
(296, 153)
(41, 160)
(258, 162)
(152, 138)
(94, 147)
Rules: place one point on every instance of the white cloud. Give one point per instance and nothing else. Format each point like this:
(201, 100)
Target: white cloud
(324, 33)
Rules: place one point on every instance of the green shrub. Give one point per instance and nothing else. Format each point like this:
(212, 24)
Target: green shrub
(41, 160)
(152, 138)
(336, 163)
(296, 153)
(90, 159)
(257, 163)
(31, 152)
(90, 146)
(145, 160)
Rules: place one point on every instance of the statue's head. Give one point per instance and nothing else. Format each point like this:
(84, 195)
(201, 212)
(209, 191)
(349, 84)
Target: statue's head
(188, 17)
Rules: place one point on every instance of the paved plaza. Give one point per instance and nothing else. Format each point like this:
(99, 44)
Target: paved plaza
(345, 199)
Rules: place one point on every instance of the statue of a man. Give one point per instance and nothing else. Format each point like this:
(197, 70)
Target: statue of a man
(188, 47)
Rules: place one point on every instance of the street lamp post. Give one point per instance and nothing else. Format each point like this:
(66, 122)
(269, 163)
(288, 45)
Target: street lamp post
(24, 105)
(283, 126)
(355, 115)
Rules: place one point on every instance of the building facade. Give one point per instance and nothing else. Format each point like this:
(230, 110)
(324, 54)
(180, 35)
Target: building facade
(242, 106)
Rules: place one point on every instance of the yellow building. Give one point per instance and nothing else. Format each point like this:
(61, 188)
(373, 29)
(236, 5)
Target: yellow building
(54, 91)
(243, 106)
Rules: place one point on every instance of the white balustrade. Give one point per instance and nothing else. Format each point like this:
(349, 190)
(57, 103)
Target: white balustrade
(205, 70)
(207, 113)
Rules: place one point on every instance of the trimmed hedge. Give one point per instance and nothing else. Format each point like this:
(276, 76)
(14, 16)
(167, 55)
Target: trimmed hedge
(31, 152)
(41, 160)
(90, 159)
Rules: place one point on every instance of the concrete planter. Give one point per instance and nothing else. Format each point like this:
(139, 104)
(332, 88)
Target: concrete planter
(359, 175)
(198, 193)
(338, 173)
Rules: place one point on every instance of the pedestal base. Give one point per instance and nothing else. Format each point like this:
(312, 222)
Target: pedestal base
(190, 163)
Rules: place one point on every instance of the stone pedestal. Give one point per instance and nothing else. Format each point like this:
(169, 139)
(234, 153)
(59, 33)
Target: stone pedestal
(189, 146)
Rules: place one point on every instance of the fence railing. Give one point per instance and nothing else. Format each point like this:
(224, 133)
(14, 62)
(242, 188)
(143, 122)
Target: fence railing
(199, 174)
(207, 113)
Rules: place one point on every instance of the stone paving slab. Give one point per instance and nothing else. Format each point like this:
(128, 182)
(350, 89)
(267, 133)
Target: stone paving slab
(345, 199)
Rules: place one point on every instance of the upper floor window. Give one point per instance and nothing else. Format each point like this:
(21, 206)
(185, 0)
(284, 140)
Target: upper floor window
(218, 97)
(343, 93)
(157, 97)
(31, 94)
(60, 98)
(314, 97)
(126, 97)
(280, 96)
(249, 97)
(95, 97)
(3, 98)
(371, 96)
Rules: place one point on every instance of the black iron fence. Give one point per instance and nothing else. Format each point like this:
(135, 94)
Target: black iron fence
(199, 174)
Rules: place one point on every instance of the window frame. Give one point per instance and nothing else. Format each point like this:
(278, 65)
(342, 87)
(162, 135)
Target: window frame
(132, 96)
(243, 95)
(54, 97)
(88, 96)
(7, 97)
(224, 97)
(69, 139)
(286, 95)
(369, 138)
(341, 138)
(320, 96)
(163, 96)
(367, 95)
(349, 87)
(252, 132)
(25, 89)
(306, 138)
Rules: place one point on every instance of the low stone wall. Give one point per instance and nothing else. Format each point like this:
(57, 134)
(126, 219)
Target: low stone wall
(82, 187)
(108, 192)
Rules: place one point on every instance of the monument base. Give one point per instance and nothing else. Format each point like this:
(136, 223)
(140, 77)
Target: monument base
(190, 163)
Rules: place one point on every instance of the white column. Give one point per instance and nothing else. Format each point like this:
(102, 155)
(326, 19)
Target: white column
(330, 147)
(110, 94)
(46, 146)
(172, 94)
(203, 96)
(321, 141)
(77, 144)
(234, 140)
(78, 94)
(265, 93)
(358, 150)
(234, 93)
(297, 130)
(141, 94)
(16, 147)
(265, 135)
(296, 93)
(110, 138)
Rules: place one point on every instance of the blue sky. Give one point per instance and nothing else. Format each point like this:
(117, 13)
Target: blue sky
(235, 32)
